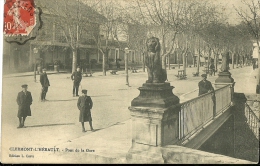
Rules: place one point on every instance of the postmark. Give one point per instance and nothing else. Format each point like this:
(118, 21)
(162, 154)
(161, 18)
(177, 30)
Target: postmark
(21, 21)
(19, 17)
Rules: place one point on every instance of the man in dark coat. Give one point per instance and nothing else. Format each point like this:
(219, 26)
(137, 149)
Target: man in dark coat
(85, 104)
(205, 86)
(45, 85)
(212, 68)
(24, 100)
(76, 78)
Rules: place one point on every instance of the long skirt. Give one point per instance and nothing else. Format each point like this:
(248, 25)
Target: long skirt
(85, 115)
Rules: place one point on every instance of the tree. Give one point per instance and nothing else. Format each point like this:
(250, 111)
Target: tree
(71, 20)
(251, 18)
(111, 10)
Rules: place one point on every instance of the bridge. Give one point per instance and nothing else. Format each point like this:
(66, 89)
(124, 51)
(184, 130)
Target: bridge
(218, 122)
(200, 118)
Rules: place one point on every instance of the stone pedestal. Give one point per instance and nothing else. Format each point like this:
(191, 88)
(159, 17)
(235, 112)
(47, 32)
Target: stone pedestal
(223, 79)
(157, 95)
(155, 114)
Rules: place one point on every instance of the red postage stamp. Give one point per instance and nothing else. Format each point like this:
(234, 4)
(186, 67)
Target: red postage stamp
(19, 17)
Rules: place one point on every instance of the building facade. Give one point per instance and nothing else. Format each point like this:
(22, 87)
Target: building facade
(53, 41)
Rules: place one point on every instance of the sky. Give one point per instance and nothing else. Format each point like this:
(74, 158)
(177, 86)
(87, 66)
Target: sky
(229, 9)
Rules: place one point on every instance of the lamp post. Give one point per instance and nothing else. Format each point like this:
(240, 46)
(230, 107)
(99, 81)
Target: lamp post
(35, 51)
(126, 66)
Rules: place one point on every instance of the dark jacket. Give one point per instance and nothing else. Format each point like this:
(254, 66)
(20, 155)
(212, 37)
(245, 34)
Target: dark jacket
(44, 80)
(212, 67)
(76, 76)
(84, 105)
(205, 87)
(24, 102)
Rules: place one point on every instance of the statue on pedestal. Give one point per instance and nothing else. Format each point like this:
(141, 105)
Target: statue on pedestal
(225, 62)
(224, 76)
(153, 61)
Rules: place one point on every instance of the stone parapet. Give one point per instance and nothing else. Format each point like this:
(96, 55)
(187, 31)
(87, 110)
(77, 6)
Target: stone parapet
(173, 154)
(155, 117)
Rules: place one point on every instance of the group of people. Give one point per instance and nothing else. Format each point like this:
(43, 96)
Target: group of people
(84, 104)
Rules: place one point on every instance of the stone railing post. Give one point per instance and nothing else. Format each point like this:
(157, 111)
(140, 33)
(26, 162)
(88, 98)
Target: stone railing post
(223, 79)
(155, 122)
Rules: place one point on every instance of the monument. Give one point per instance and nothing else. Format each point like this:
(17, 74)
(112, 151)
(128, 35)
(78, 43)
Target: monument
(224, 77)
(154, 114)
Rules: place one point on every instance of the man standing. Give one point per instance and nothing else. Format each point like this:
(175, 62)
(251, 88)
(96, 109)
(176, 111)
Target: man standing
(45, 84)
(85, 104)
(76, 78)
(212, 68)
(205, 86)
(24, 100)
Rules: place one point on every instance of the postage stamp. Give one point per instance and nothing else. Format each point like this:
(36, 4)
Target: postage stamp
(19, 17)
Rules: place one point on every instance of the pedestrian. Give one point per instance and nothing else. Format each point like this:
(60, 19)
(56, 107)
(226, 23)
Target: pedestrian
(212, 69)
(24, 100)
(205, 86)
(76, 77)
(85, 104)
(254, 64)
(45, 85)
(117, 65)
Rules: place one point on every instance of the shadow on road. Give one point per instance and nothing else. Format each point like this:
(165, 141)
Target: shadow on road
(51, 125)
(101, 95)
(60, 100)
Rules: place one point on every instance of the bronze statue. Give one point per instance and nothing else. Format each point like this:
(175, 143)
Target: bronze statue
(153, 61)
(225, 62)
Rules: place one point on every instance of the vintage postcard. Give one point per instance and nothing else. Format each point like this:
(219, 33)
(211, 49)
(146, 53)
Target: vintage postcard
(130, 81)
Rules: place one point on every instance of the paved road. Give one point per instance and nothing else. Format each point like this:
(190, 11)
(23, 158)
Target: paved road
(56, 121)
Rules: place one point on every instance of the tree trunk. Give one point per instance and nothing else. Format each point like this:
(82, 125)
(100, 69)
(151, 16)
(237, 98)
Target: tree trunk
(164, 62)
(258, 75)
(233, 61)
(169, 65)
(216, 64)
(184, 63)
(126, 68)
(198, 63)
(209, 60)
(104, 64)
(198, 60)
(74, 60)
(143, 62)
(194, 63)
(178, 60)
(237, 58)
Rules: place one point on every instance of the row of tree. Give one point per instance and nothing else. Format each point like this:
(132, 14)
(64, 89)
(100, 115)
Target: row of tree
(190, 27)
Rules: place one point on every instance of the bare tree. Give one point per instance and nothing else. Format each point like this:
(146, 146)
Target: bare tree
(251, 17)
(71, 21)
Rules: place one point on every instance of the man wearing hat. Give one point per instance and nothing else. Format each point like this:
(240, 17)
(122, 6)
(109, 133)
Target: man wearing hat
(45, 84)
(85, 104)
(24, 100)
(76, 78)
(205, 86)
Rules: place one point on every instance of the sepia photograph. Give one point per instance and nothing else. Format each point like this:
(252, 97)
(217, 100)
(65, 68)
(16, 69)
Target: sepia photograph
(130, 82)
